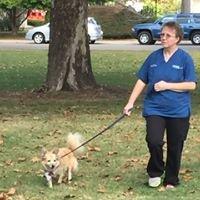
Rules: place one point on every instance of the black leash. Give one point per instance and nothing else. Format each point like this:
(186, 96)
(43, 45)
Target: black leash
(105, 129)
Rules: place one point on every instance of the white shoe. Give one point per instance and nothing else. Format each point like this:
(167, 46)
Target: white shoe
(154, 182)
(169, 187)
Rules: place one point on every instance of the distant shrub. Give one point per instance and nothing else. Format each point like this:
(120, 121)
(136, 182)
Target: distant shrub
(116, 21)
(5, 24)
(35, 23)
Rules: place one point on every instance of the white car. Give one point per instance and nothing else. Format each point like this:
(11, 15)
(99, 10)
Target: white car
(40, 34)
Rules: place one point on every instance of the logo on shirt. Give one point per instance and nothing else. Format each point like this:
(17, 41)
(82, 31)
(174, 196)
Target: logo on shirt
(177, 67)
(153, 65)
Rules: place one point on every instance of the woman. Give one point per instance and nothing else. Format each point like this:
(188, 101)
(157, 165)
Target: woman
(169, 75)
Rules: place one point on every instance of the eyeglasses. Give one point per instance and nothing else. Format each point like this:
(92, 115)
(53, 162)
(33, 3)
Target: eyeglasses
(166, 35)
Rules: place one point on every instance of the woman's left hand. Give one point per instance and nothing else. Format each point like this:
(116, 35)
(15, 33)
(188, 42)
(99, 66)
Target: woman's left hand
(160, 86)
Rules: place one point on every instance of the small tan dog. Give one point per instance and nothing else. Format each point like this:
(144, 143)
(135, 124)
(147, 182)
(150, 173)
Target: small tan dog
(56, 165)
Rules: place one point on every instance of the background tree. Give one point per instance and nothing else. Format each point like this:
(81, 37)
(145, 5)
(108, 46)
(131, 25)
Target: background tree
(69, 65)
(17, 10)
(185, 6)
(99, 2)
(158, 8)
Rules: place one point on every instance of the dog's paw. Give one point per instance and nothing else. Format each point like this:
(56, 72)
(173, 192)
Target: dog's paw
(50, 185)
(60, 181)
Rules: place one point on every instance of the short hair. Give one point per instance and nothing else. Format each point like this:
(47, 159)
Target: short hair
(176, 27)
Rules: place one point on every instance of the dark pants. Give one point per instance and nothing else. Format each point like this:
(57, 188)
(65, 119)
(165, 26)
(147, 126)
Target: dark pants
(176, 130)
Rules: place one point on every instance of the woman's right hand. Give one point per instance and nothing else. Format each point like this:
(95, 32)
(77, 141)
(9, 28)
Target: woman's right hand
(127, 109)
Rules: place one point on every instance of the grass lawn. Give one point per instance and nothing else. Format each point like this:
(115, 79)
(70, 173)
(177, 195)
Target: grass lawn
(116, 168)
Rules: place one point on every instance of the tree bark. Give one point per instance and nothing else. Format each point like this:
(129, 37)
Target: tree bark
(185, 6)
(69, 65)
(12, 16)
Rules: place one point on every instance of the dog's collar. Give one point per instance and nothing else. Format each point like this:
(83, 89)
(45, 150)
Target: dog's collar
(50, 172)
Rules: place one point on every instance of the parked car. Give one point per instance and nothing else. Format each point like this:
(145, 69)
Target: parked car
(41, 34)
(149, 33)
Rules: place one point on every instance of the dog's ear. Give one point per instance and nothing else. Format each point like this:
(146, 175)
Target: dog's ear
(43, 152)
(55, 151)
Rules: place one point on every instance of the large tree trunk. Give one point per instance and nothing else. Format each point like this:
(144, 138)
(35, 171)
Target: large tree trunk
(16, 19)
(13, 19)
(69, 65)
(185, 6)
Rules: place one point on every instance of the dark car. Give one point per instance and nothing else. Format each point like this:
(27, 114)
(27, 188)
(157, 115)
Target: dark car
(149, 33)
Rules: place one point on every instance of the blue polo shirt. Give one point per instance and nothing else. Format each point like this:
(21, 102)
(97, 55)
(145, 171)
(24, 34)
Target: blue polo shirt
(168, 103)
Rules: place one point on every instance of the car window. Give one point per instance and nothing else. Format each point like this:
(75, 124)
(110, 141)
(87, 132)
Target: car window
(196, 18)
(183, 20)
(167, 19)
(91, 20)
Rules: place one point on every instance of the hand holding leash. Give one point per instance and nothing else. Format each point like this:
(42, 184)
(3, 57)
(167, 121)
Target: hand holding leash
(127, 109)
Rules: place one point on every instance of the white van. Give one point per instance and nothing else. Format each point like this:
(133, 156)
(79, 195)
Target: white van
(41, 34)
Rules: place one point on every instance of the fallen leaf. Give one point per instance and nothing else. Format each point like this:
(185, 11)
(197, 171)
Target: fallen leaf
(6, 119)
(87, 197)
(101, 190)
(118, 178)
(20, 197)
(128, 192)
(17, 170)
(9, 162)
(11, 191)
(68, 113)
(54, 132)
(185, 171)
(83, 157)
(187, 177)
(161, 189)
(110, 153)
(1, 141)
(82, 185)
(69, 196)
(35, 159)
(90, 148)
(197, 140)
(105, 176)
(22, 159)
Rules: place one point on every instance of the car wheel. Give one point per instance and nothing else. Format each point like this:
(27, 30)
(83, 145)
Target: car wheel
(195, 38)
(38, 38)
(92, 41)
(145, 37)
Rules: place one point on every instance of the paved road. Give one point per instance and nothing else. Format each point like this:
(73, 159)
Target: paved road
(123, 45)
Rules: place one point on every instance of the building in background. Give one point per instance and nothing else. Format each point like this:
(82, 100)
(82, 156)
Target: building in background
(36, 15)
(33, 15)
(192, 6)
(195, 6)
(136, 4)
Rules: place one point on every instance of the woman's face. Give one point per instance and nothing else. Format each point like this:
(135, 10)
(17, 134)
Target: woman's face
(168, 37)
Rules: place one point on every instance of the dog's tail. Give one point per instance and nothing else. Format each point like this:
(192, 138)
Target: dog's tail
(74, 141)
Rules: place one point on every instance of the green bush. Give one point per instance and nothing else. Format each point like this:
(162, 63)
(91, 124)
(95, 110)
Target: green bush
(5, 24)
(116, 21)
(35, 23)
